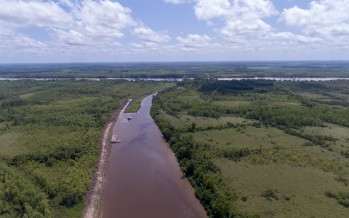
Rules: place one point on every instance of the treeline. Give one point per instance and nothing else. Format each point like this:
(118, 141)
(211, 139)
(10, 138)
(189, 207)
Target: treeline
(280, 116)
(229, 87)
(310, 113)
(195, 162)
(212, 69)
(333, 92)
(321, 140)
(273, 116)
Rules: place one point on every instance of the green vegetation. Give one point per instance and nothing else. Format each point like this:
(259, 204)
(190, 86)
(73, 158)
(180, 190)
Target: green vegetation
(49, 134)
(179, 70)
(249, 148)
(261, 148)
(134, 106)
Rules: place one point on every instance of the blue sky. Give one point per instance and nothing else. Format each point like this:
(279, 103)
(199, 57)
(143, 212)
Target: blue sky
(173, 30)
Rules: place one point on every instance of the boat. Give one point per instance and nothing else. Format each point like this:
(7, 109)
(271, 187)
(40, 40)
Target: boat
(115, 139)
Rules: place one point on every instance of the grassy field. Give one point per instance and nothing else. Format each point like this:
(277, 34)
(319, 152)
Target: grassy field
(134, 106)
(10, 144)
(248, 137)
(276, 150)
(294, 191)
(49, 134)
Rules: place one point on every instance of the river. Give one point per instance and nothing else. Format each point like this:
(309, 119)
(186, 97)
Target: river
(315, 79)
(144, 178)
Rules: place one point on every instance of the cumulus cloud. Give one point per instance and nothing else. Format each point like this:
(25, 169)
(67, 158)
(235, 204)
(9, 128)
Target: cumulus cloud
(244, 22)
(94, 23)
(19, 13)
(291, 37)
(145, 46)
(70, 37)
(195, 42)
(194, 39)
(240, 17)
(83, 23)
(103, 18)
(15, 44)
(107, 26)
(325, 18)
(149, 35)
(209, 9)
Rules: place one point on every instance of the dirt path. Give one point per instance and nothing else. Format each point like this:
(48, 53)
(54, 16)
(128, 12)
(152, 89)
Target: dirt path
(93, 199)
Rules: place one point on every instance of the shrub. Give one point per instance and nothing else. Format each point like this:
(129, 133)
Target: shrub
(270, 194)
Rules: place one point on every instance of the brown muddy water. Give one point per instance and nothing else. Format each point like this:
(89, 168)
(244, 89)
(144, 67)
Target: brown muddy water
(144, 178)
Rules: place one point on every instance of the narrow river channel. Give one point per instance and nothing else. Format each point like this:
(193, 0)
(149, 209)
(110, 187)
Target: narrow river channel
(144, 179)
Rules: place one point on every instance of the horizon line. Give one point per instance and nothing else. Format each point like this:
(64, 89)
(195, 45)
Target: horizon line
(169, 62)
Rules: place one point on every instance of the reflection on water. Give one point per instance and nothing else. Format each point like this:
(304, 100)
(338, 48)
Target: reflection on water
(93, 79)
(144, 179)
(314, 79)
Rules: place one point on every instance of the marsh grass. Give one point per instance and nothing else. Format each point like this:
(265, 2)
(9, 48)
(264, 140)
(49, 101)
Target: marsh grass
(299, 190)
(11, 143)
(279, 152)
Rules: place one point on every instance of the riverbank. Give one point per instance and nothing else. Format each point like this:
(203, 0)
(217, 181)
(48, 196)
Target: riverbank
(94, 196)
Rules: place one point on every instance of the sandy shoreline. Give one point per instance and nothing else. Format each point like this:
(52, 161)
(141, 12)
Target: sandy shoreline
(93, 199)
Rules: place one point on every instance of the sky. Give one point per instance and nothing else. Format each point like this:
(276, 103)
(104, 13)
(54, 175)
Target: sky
(42, 31)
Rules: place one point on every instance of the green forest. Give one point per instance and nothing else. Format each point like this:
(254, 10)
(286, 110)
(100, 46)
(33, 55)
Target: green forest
(49, 141)
(261, 148)
(250, 148)
(178, 70)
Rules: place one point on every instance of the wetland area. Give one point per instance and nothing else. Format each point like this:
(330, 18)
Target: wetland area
(238, 146)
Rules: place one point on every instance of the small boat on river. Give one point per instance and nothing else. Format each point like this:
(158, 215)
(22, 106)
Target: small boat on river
(115, 139)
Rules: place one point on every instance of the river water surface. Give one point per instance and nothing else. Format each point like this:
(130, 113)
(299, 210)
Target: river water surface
(314, 79)
(144, 179)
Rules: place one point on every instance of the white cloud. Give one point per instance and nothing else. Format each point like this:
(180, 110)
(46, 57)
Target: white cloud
(19, 13)
(240, 18)
(326, 18)
(194, 39)
(325, 21)
(195, 42)
(176, 2)
(102, 19)
(86, 27)
(16, 41)
(70, 37)
(15, 44)
(149, 35)
(73, 24)
(244, 27)
(209, 9)
(243, 23)
(291, 37)
(145, 46)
